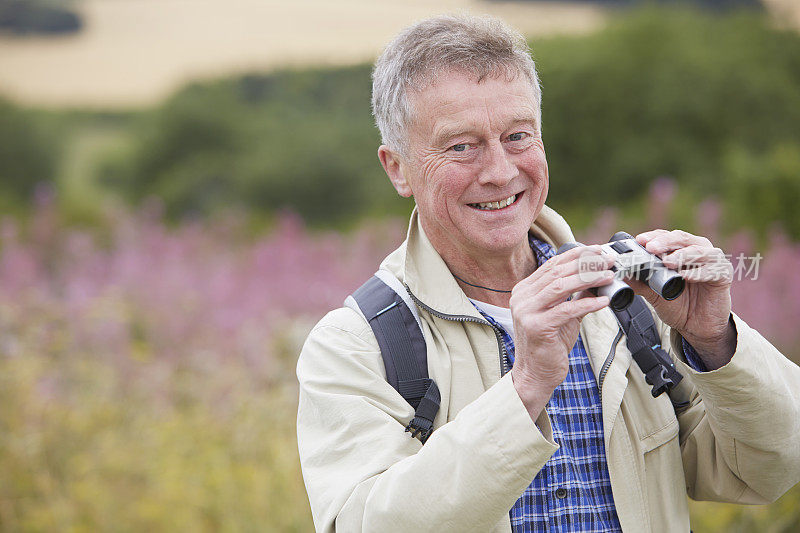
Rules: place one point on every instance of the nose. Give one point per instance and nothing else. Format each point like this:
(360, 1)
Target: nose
(498, 169)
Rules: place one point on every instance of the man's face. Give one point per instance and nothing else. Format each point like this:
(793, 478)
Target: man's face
(474, 147)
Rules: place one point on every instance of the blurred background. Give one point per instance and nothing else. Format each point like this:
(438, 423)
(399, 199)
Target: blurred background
(187, 186)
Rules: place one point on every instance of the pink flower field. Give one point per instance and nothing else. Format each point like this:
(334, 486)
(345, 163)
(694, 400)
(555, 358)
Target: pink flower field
(196, 293)
(147, 369)
(206, 293)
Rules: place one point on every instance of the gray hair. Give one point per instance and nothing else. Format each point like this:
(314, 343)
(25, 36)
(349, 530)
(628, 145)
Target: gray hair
(480, 46)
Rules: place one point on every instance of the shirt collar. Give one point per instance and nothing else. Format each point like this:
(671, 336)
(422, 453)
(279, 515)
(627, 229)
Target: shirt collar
(542, 250)
(422, 269)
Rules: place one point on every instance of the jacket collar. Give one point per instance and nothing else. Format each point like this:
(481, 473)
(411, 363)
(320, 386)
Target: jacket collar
(420, 267)
(425, 273)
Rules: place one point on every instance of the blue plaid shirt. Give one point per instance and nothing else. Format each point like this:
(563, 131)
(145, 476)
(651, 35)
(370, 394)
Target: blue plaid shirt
(572, 492)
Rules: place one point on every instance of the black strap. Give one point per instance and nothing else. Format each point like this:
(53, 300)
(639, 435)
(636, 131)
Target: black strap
(644, 343)
(403, 350)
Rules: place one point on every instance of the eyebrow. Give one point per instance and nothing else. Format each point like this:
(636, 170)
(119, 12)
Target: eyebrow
(450, 132)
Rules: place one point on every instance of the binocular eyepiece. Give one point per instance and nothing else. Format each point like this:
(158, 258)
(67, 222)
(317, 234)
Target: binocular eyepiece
(631, 260)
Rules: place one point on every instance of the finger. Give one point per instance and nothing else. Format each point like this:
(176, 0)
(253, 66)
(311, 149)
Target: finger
(591, 261)
(673, 240)
(574, 253)
(562, 288)
(583, 294)
(718, 274)
(588, 258)
(557, 266)
(647, 236)
(562, 264)
(694, 256)
(576, 309)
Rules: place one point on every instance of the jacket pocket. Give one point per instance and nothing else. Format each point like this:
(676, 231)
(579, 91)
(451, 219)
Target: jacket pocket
(665, 485)
(660, 436)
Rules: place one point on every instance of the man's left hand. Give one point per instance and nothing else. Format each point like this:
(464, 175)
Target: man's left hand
(702, 313)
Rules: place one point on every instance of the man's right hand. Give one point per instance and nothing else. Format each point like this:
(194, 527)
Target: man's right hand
(546, 323)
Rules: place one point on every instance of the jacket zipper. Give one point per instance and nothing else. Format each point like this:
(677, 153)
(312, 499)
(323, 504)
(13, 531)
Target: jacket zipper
(466, 318)
(607, 364)
(502, 347)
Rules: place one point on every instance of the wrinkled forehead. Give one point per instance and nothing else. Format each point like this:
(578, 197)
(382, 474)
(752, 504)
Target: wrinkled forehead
(442, 104)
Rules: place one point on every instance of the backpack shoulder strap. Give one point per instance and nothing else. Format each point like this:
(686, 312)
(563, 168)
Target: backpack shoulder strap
(403, 350)
(644, 343)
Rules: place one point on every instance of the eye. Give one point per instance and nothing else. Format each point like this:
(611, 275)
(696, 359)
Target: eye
(459, 147)
(517, 136)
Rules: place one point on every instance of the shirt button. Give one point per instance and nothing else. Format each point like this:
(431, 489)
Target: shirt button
(561, 493)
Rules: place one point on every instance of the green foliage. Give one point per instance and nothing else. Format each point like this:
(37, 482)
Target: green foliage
(763, 189)
(665, 94)
(783, 516)
(86, 448)
(295, 139)
(713, 101)
(27, 155)
(656, 93)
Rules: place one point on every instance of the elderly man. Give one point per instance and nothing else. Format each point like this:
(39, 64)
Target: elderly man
(544, 422)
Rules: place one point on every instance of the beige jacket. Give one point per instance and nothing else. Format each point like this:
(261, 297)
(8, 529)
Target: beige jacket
(738, 441)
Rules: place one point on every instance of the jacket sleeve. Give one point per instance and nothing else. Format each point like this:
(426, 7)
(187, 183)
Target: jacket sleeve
(740, 435)
(364, 472)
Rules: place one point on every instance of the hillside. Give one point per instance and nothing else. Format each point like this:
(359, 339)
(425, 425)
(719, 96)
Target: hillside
(134, 53)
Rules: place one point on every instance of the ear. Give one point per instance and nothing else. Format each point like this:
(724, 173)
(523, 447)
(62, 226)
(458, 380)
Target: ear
(395, 169)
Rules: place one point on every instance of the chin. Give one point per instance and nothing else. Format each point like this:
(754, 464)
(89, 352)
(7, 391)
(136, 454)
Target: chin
(504, 240)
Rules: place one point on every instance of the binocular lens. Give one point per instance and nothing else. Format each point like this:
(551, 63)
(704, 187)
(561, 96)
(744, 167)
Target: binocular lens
(619, 293)
(672, 288)
(621, 299)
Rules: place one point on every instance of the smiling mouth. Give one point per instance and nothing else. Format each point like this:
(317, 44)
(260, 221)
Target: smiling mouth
(494, 206)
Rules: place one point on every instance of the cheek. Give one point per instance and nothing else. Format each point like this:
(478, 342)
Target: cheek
(454, 187)
(444, 182)
(535, 166)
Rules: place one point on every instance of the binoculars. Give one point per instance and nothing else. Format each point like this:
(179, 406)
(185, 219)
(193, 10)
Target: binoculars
(631, 261)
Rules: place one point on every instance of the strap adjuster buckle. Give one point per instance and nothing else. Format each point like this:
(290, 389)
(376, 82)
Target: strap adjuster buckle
(659, 370)
(418, 430)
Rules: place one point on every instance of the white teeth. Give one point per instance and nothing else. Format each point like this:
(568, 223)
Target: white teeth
(496, 205)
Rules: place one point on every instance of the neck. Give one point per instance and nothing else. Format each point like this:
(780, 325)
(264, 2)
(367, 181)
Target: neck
(495, 271)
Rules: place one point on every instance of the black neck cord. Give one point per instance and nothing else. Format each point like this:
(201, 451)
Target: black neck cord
(478, 286)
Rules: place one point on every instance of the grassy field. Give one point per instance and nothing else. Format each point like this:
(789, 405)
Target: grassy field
(147, 362)
(147, 370)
